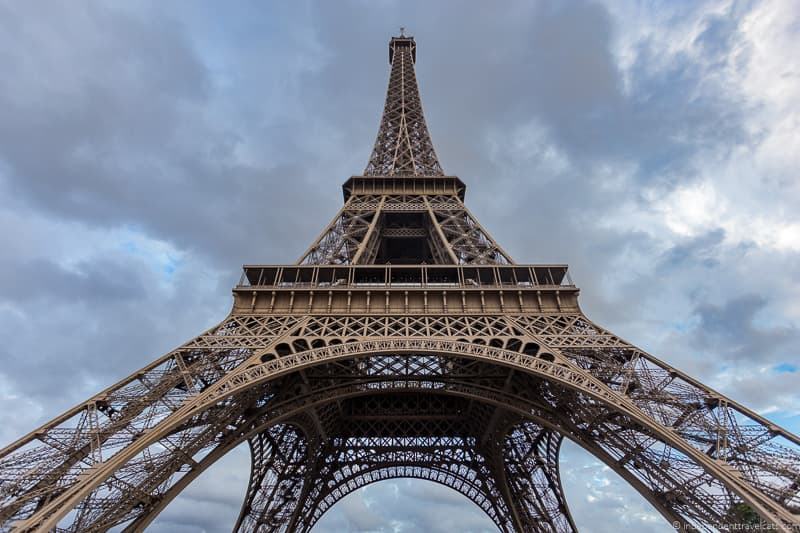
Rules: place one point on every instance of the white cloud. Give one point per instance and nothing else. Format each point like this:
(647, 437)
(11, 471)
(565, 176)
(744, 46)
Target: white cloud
(270, 92)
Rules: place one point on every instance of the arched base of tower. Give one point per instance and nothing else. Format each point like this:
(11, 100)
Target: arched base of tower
(506, 466)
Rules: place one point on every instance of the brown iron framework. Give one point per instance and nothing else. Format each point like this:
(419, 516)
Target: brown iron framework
(404, 343)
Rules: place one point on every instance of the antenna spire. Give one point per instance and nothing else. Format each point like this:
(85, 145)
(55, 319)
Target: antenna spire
(403, 145)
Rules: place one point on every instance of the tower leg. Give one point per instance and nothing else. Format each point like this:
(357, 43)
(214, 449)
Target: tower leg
(279, 460)
(531, 479)
(341, 466)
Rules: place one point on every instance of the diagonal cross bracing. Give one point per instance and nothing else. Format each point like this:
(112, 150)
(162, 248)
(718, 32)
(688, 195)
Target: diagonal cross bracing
(461, 367)
(403, 145)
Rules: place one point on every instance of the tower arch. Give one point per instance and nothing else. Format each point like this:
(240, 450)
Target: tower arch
(521, 406)
(404, 329)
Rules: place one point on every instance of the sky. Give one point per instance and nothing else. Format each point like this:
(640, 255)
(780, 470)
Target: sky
(149, 149)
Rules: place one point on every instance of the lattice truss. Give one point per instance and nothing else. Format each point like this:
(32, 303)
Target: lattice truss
(403, 144)
(491, 383)
(330, 403)
(451, 232)
(437, 438)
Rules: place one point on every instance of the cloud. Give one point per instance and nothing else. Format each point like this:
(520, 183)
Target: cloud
(405, 505)
(733, 332)
(147, 151)
(598, 494)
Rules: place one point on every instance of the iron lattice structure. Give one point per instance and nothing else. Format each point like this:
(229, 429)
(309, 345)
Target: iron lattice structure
(404, 343)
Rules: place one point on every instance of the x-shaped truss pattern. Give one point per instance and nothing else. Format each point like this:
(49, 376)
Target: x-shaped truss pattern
(478, 399)
(449, 229)
(451, 456)
(403, 145)
(647, 420)
(280, 458)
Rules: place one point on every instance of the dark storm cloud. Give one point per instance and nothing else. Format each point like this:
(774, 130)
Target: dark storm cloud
(134, 144)
(702, 249)
(732, 332)
(97, 335)
(41, 279)
(106, 122)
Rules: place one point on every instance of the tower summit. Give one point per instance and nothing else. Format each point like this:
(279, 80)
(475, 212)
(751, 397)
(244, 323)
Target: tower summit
(403, 144)
(404, 210)
(405, 342)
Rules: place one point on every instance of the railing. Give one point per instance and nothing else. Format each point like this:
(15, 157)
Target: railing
(399, 276)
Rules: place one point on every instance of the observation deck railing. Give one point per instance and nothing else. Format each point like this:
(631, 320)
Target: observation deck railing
(401, 276)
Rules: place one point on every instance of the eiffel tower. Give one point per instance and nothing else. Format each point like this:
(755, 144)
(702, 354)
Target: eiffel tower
(405, 342)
